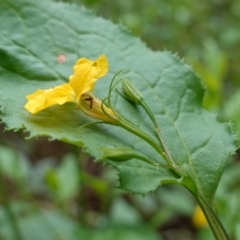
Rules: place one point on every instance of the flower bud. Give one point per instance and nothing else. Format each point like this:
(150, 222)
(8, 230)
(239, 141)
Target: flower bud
(123, 154)
(120, 154)
(92, 107)
(131, 92)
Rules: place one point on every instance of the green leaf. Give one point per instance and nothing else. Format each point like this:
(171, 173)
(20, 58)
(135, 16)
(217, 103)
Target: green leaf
(231, 110)
(48, 225)
(53, 224)
(36, 224)
(65, 180)
(122, 213)
(13, 165)
(47, 31)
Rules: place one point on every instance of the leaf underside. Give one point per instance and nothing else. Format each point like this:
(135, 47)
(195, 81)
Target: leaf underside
(39, 43)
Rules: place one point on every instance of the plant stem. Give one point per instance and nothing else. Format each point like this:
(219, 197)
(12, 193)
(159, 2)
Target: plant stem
(214, 222)
(131, 128)
(160, 137)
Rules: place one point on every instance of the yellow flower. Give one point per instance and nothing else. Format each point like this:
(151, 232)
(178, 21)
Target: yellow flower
(199, 220)
(78, 90)
(86, 73)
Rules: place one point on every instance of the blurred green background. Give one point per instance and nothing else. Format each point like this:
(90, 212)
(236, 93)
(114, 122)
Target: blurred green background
(51, 190)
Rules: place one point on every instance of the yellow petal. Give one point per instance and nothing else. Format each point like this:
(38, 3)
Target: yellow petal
(86, 73)
(102, 63)
(42, 99)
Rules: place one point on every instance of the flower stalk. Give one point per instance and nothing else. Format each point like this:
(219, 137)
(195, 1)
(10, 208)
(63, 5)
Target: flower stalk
(123, 154)
(131, 93)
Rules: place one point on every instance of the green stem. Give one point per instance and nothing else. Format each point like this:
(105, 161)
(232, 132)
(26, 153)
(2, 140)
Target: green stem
(214, 222)
(136, 131)
(160, 137)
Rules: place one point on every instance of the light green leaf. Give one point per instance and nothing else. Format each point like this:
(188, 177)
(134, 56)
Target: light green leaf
(39, 225)
(65, 180)
(48, 225)
(238, 231)
(13, 165)
(122, 213)
(231, 110)
(53, 224)
(34, 34)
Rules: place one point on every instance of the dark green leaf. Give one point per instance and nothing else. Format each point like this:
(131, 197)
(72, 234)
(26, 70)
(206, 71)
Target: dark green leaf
(36, 34)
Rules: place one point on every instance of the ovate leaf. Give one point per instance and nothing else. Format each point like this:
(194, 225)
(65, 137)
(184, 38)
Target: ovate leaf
(40, 42)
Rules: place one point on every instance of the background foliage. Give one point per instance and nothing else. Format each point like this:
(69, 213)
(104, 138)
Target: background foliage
(34, 172)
